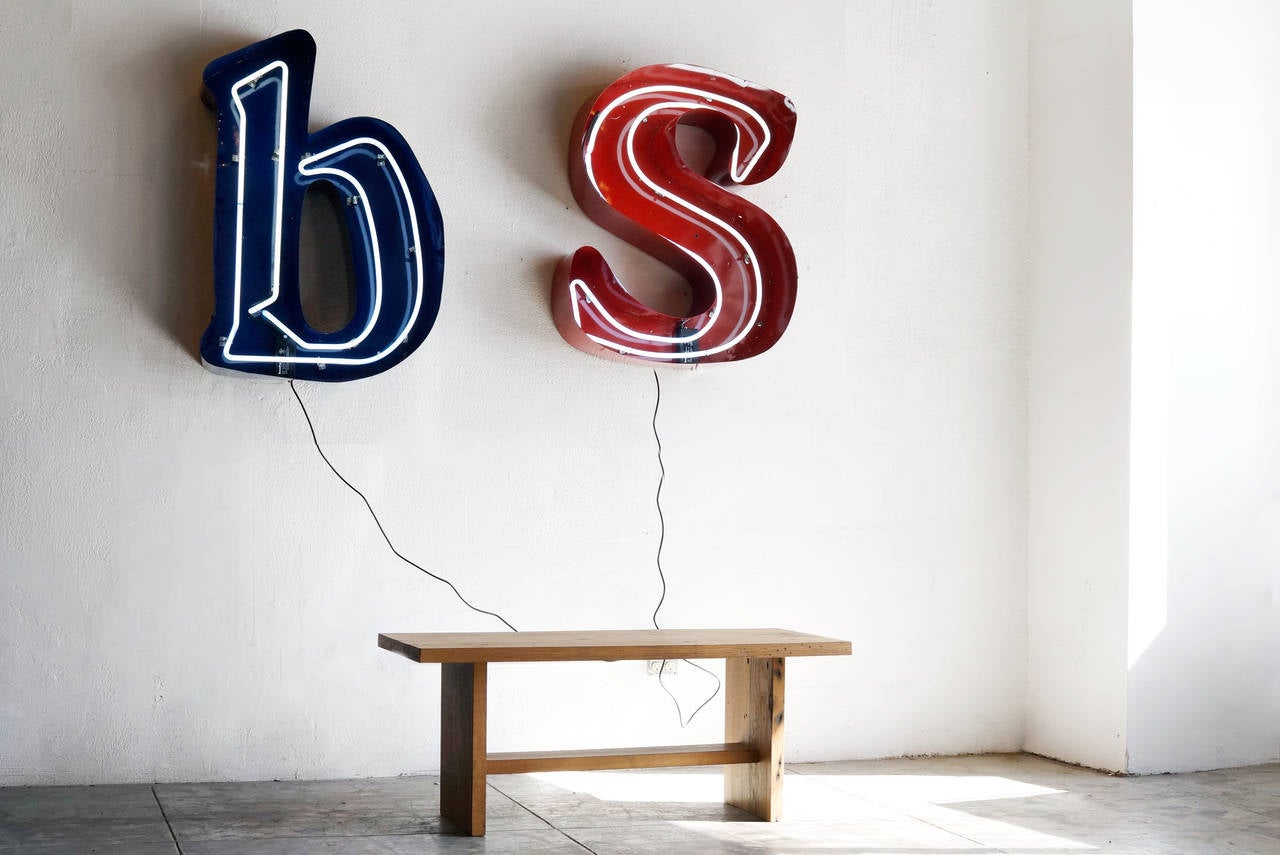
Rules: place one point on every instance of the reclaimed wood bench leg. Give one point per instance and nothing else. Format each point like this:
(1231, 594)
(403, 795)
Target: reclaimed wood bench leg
(462, 745)
(753, 714)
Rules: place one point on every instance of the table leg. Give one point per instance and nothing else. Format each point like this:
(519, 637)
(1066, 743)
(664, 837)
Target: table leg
(753, 714)
(462, 745)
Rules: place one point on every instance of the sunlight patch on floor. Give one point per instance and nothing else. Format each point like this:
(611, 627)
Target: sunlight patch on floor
(936, 789)
(699, 786)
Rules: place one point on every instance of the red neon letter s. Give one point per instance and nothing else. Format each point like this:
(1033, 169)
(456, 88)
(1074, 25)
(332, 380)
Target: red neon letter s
(628, 176)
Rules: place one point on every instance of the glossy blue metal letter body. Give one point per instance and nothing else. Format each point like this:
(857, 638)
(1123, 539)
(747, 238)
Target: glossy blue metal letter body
(266, 162)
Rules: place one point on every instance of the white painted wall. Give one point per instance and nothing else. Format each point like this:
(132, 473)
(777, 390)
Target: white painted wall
(1153, 591)
(1204, 686)
(186, 592)
(1080, 285)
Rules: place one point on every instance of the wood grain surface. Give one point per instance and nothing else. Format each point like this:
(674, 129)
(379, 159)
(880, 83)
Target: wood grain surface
(657, 757)
(754, 714)
(609, 645)
(463, 703)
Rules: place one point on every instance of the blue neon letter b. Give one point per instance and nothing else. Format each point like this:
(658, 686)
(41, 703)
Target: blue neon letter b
(266, 162)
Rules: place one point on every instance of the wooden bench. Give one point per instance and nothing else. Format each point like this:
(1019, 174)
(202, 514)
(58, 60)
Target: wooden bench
(755, 662)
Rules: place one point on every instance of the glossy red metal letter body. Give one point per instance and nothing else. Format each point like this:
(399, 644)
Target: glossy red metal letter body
(629, 177)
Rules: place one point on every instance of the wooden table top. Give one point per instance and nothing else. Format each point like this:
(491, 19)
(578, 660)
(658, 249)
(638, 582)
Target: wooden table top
(608, 645)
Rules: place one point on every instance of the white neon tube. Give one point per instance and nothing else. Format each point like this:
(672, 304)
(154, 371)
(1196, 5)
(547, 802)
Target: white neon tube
(708, 100)
(306, 167)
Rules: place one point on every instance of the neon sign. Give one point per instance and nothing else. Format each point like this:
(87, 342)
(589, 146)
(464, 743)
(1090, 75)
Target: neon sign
(629, 177)
(266, 162)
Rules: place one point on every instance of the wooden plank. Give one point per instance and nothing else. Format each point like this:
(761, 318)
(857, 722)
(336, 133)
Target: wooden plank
(609, 645)
(620, 758)
(463, 691)
(753, 714)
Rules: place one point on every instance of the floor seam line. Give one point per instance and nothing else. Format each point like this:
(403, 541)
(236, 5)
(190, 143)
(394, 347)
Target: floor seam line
(1245, 808)
(576, 840)
(165, 817)
(818, 779)
(908, 814)
(550, 824)
(521, 804)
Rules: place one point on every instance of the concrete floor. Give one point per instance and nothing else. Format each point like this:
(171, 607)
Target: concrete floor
(981, 804)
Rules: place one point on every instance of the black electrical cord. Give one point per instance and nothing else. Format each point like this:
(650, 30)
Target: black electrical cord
(662, 537)
(657, 500)
(378, 522)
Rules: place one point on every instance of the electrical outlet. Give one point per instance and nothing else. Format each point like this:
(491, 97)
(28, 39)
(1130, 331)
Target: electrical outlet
(654, 665)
